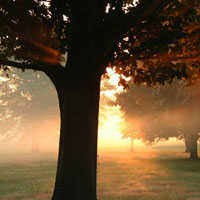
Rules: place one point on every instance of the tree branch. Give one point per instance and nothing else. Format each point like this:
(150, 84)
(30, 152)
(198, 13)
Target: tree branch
(38, 67)
(170, 58)
(127, 21)
(141, 12)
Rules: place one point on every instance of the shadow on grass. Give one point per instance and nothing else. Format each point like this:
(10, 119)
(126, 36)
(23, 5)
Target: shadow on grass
(149, 176)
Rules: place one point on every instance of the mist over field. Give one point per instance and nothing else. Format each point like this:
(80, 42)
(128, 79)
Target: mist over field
(127, 169)
(30, 119)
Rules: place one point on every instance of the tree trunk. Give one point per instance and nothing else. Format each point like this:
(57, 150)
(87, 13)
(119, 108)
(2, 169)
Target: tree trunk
(77, 160)
(193, 147)
(187, 145)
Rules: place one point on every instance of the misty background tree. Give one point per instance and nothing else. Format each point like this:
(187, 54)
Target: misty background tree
(160, 112)
(153, 41)
(22, 106)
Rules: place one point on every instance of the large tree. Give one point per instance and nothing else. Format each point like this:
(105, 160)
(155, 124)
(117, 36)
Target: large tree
(153, 41)
(160, 112)
(187, 116)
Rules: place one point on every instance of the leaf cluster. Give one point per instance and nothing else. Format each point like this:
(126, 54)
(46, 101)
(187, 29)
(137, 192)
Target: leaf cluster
(152, 41)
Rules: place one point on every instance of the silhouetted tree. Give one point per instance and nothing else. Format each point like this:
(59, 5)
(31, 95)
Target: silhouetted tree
(152, 42)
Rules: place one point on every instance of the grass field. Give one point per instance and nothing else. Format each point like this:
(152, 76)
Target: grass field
(121, 176)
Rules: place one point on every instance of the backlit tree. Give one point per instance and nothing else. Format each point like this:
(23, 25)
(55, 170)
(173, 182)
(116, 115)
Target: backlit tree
(153, 41)
(160, 112)
(21, 104)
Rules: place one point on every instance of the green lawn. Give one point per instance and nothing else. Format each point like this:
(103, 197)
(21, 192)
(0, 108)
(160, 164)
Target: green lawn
(121, 176)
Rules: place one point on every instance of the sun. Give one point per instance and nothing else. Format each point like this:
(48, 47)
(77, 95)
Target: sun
(111, 118)
(114, 77)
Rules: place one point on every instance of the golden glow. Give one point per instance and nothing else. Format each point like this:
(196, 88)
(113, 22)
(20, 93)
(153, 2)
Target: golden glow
(113, 82)
(111, 124)
(3, 79)
(111, 121)
(50, 56)
(114, 78)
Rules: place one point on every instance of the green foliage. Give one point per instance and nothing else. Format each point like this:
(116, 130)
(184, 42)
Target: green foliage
(27, 178)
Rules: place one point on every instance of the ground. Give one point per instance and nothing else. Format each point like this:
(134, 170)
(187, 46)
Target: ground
(121, 176)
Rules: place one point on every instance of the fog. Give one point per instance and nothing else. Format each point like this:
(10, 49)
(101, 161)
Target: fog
(158, 117)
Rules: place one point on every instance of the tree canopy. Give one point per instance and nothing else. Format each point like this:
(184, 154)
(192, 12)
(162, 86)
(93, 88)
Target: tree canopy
(152, 41)
(160, 112)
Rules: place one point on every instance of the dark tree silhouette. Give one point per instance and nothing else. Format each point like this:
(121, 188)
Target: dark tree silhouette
(152, 42)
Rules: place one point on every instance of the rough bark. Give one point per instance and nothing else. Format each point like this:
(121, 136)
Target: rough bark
(193, 147)
(79, 106)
